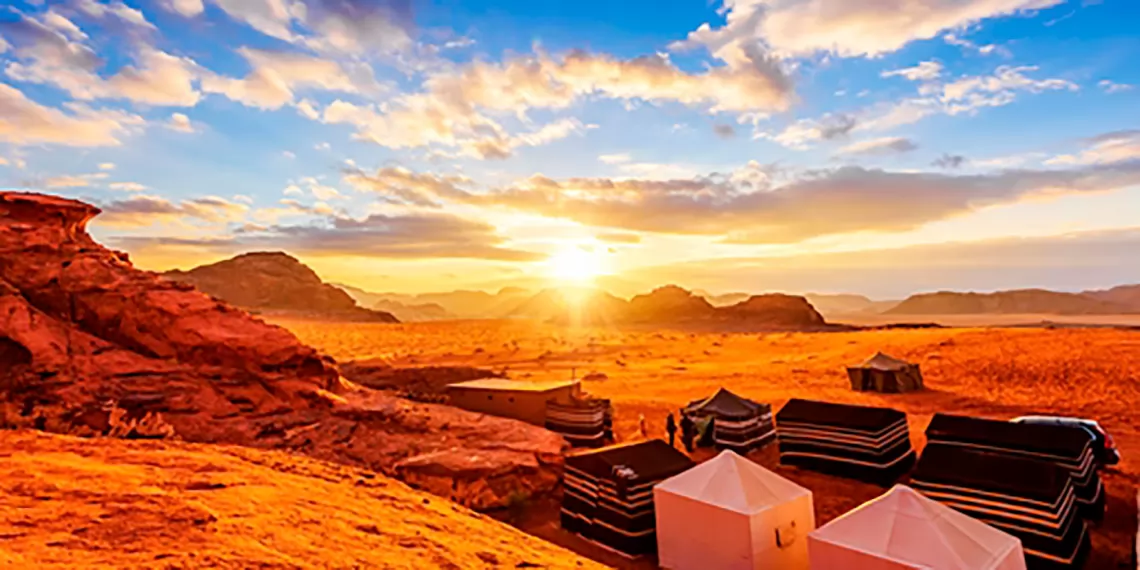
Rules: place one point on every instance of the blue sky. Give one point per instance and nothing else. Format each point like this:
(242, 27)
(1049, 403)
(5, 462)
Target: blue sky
(800, 145)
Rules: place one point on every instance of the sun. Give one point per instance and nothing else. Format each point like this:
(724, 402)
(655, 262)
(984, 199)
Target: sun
(575, 265)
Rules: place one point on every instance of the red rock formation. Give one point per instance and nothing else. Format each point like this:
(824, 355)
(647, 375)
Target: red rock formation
(777, 310)
(79, 326)
(275, 282)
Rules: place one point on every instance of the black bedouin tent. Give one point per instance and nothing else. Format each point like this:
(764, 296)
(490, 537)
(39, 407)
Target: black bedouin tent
(740, 424)
(1033, 500)
(581, 421)
(1071, 449)
(860, 442)
(884, 373)
(608, 493)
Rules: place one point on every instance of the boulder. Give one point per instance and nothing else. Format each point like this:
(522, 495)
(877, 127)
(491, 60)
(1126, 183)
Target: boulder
(87, 334)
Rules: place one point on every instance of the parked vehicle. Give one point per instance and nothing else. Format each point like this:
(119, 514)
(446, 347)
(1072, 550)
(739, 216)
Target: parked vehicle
(1105, 447)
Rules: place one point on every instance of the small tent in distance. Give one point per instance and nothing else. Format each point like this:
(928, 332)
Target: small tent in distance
(730, 513)
(903, 529)
(883, 373)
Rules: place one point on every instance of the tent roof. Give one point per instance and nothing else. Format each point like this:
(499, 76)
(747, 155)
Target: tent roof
(726, 404)
(882, 361)
(734, 483)
(904, 526)
(650, 459)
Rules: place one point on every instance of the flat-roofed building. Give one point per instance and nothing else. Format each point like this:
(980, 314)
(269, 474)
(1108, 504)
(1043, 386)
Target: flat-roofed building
(516, 399)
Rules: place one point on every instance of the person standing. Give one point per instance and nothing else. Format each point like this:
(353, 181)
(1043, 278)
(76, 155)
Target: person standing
(641, 427)
(671, 428)
(687, 432)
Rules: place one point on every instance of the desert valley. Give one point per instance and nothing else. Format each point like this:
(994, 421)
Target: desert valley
(570, 285)
(280, 439)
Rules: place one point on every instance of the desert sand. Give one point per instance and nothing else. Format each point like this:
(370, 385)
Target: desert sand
(992, 372)
(111, 504)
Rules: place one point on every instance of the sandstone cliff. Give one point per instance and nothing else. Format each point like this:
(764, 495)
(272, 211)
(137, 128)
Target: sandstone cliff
(275, 282)
(1024, 301)
(84, 333)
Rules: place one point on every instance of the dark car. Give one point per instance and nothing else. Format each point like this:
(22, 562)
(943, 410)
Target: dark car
(1105, 448)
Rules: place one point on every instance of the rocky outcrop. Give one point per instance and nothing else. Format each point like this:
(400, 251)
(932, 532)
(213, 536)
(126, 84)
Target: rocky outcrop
(1123, 295)
(275, 283)
(777, 309)
(82, 328)
(1024, 301)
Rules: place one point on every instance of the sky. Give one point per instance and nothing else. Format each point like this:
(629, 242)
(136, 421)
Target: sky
(881, 147)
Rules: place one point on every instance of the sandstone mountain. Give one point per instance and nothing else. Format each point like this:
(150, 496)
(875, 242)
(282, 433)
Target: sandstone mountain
(275, 282)
(1024, 301)
(406, 312)
(84, 335)
(79, 503)
(672, 307)
(1124, 295)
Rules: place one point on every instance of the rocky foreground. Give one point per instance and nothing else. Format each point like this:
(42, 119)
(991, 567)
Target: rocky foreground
(67, 502)
(92, 345)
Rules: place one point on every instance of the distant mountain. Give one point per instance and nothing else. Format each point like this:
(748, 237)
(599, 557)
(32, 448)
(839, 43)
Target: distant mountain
(1024, 301)
(272, 282)
(406, 312)
(672, 306)
(1126, 295)
(847, 304)
(572, 306)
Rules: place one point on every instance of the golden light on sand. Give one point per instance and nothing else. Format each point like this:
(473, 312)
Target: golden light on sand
(575, 264)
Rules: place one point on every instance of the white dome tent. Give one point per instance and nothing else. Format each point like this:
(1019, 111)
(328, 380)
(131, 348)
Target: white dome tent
(729, 513)
(902, 529)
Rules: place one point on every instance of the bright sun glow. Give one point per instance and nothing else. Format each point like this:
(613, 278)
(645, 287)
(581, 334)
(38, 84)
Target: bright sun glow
(575, 265)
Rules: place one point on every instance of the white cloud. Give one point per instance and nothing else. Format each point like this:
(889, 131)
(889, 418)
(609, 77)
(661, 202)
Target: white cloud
(461, 108)
(924, 71)
(1108, 148)
(106, 166)
(615, 158)
(114, 9)
(322, 146)
(73, 180)
(1113, 87)
(879, 146)
(987, 49)
(127, 186)
(23, 121)
(51, 53)
(288, 154)
(57, 21)
(181, 123)
(186, 8)
(846, 28)
(276, 76)
(346, 26)
(803, 133)
(293, 190)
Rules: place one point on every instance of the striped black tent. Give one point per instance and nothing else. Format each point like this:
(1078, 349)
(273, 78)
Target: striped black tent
(860, 442)
(739, 424)
(582, 421)
(1071, 449)
(1033, 500)
(608, 493)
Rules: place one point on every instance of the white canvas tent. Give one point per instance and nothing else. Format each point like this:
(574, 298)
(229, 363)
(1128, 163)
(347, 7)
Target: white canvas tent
(903, 529)
(732, 514)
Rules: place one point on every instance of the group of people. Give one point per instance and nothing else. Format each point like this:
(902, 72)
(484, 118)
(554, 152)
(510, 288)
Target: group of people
(689, 429)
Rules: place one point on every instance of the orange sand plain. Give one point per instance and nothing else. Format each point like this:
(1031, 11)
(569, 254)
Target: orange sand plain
(996, 373)
(110, 504)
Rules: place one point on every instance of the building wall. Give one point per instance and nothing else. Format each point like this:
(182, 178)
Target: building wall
(525, 405)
